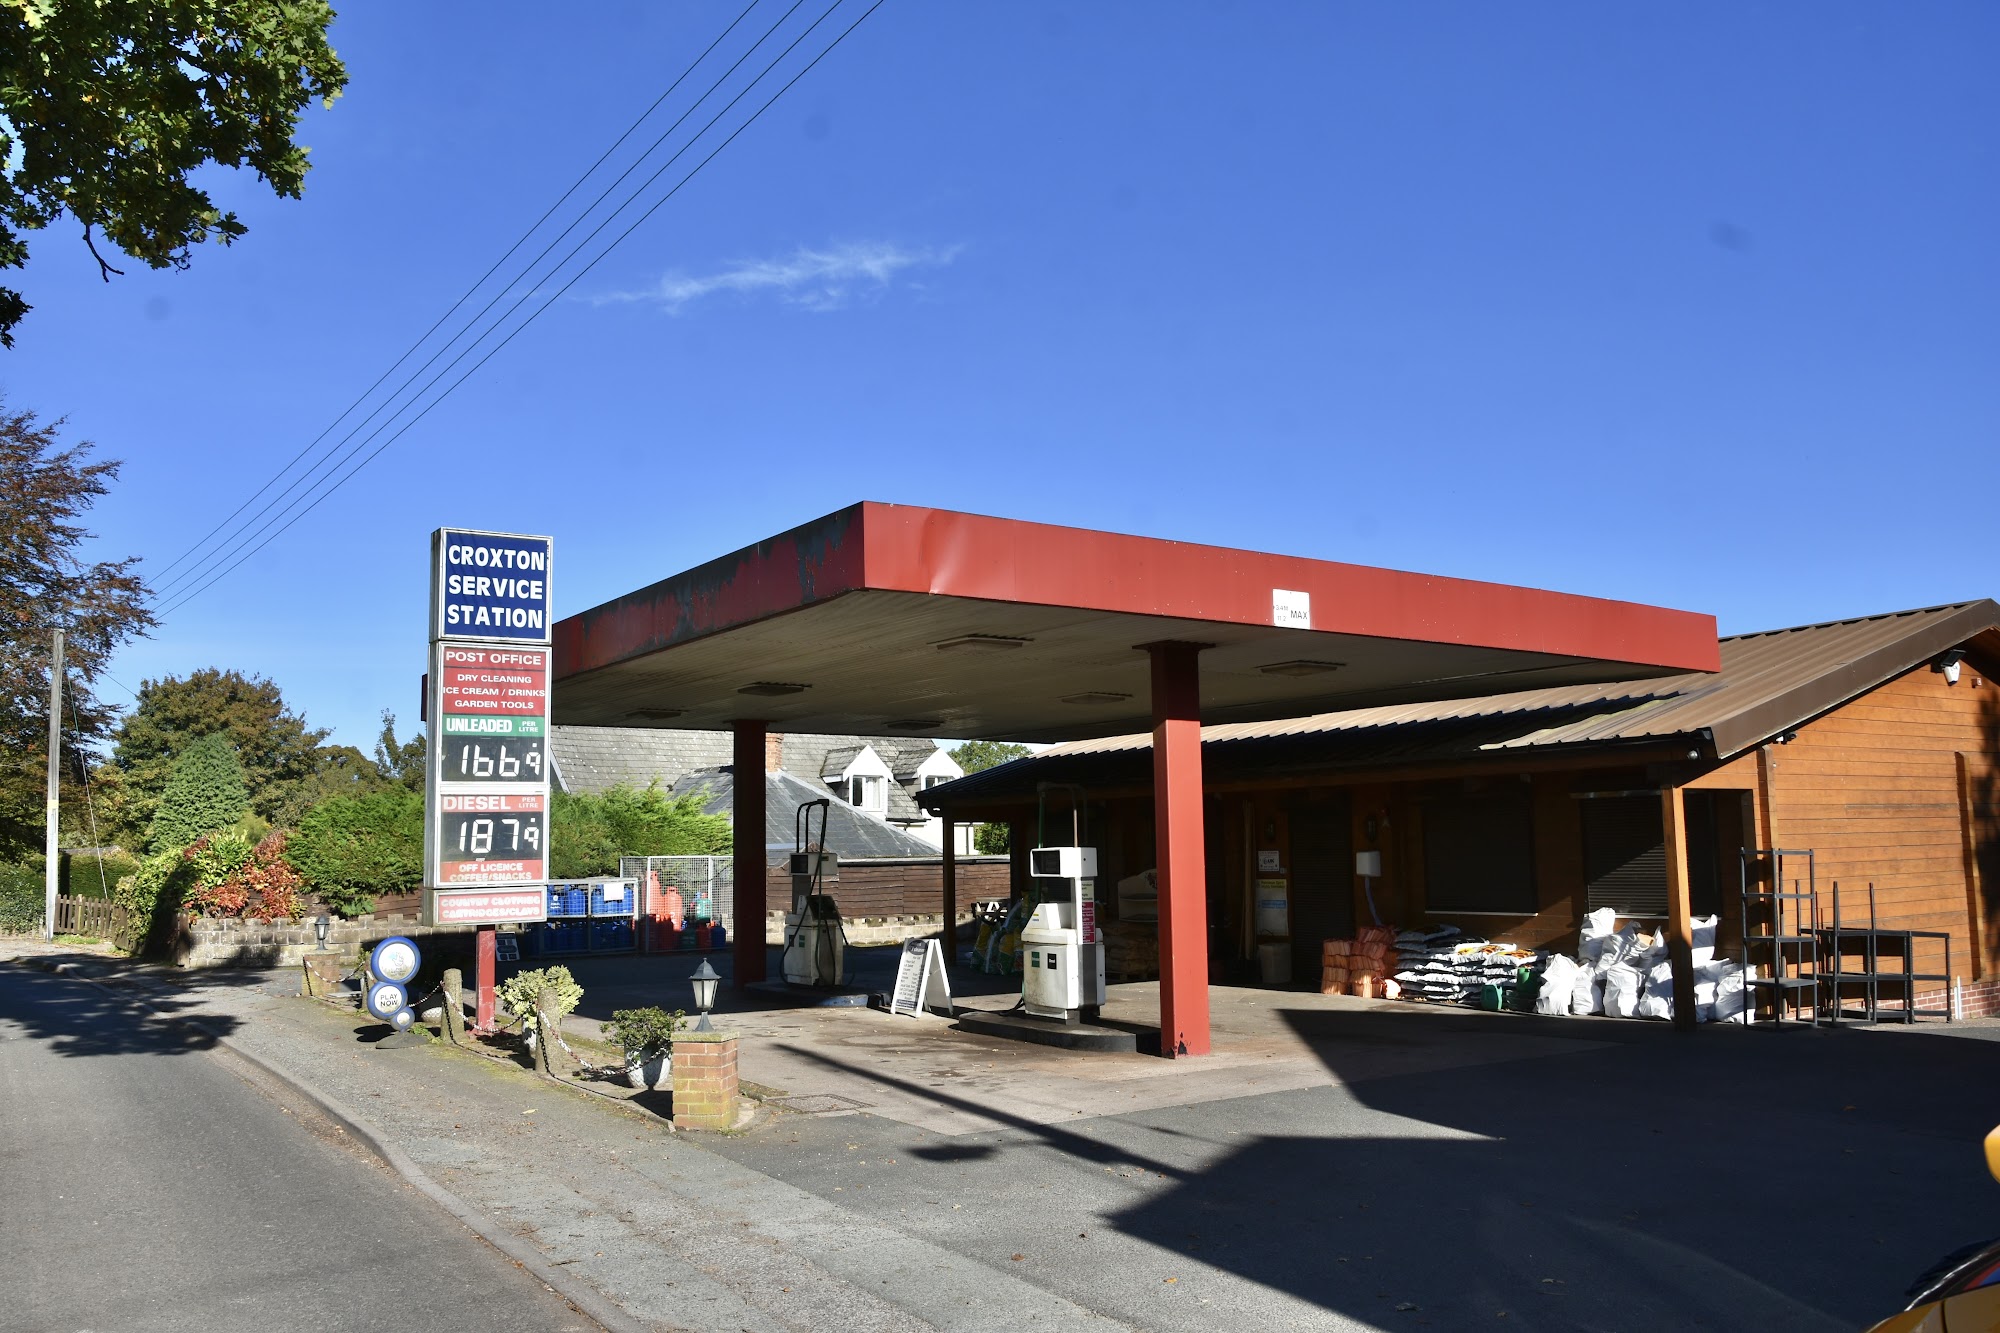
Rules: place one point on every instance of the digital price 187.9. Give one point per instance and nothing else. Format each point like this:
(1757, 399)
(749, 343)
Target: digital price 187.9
(492, 759)
(497, 837)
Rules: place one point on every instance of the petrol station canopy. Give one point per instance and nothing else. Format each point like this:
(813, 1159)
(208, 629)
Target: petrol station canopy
(900, 620)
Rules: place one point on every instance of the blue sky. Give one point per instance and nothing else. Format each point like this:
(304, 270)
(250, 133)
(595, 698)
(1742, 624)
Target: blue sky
(1683, 304)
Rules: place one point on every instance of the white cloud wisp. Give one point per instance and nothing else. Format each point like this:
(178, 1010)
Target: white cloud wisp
(812, 279)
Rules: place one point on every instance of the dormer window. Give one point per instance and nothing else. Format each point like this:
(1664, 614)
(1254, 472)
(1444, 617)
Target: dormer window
(866, 792)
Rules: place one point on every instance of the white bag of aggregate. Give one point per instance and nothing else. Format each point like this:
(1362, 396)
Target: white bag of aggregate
(1731, 995)
(1558, 985)
(1623, 987)
(1587, 993)
(1658, 999)
(1598, 927)
(1616, 948)
(1703, 930)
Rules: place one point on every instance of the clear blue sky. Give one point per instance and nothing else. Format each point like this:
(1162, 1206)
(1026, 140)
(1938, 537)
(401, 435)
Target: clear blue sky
(1691, 305)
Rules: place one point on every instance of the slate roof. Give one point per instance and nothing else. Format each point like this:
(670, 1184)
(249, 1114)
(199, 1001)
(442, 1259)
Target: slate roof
(852, 833)
(1769, 683)
(591, 759)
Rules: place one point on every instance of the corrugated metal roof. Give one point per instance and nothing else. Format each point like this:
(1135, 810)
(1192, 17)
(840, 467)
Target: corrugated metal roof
(1770, 682)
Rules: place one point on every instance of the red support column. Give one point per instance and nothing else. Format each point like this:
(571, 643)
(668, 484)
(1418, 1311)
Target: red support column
(749, 838)
(488, 946)
(1182, 864)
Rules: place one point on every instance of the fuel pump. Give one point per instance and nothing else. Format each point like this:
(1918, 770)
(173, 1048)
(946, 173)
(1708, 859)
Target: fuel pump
(1062, 973)
(815, 940)
(1062, 948)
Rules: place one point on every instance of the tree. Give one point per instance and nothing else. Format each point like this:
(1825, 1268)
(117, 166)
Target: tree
(44, 585)
(588, 833)
(399, 762)
(977, 757)
(110, 107)
(351, 848)
(205, 794)
(283, 759)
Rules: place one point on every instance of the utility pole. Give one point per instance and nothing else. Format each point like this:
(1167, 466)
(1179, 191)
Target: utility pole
(51, 873)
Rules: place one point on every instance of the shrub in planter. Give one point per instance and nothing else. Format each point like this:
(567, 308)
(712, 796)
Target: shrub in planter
(539, 998)
(648, 1038)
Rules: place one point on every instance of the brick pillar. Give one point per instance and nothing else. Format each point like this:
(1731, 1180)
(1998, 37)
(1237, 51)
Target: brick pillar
(774, 752)
(705, 1087)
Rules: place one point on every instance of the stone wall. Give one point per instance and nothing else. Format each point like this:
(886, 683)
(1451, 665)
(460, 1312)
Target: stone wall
(224, 942)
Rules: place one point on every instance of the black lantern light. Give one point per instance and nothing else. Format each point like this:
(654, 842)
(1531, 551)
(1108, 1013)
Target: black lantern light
(322, 924)
(704, 982)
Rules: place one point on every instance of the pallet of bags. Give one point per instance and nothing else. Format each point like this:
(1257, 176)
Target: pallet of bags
(1132, 950)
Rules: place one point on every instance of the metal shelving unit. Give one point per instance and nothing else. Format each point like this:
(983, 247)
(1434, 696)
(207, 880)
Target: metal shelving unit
(1877, 948)
(585, 916)
(1784, 926)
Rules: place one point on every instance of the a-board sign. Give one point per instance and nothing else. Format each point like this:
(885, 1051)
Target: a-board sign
(485, 907)
(921, 982)
(490, 585)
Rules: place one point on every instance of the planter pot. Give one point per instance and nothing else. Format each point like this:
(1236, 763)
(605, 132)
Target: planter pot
(649, 1075)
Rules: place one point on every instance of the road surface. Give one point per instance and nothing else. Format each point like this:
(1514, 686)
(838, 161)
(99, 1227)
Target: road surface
(155, 1183)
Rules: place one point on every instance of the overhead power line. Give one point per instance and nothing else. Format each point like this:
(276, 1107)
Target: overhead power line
(300, 508)
(455, 306)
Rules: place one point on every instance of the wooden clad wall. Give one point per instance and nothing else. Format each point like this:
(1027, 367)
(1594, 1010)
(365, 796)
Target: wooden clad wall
(1874, 789)
(915, 888)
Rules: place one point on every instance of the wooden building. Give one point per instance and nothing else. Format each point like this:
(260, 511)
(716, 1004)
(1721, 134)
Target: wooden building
(1873, 742)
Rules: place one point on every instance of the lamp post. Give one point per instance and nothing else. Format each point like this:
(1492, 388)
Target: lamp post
(704, 982)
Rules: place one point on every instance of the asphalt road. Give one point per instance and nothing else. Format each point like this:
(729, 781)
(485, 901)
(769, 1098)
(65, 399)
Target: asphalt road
(1742, 1179)
(152, 1183)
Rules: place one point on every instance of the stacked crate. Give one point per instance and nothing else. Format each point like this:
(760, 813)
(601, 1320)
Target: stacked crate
(1357, 966)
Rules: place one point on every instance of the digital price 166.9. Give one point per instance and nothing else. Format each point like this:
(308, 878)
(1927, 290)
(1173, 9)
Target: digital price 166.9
(493, 759)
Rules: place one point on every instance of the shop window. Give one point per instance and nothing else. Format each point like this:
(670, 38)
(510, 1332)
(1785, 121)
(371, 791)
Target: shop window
(1625, 854)
(1479, 854)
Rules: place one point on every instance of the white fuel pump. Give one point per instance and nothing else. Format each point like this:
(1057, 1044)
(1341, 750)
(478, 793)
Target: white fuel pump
(1062, 973)
(815, 940)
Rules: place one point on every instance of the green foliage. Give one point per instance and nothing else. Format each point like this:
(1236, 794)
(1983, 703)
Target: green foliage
(235, 879)
(22, 897)
(110, 107)
(645, 1032)
(991, 840)
(978, 756)
(400, 762)
(283, 759)
(94, 874)
(351, 848)
(205, 793)
(45, 585)
(588, 833)
(540, 993)
(153, 894)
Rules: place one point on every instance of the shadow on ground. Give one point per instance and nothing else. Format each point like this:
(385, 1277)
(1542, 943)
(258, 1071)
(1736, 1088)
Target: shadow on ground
(83, 1020)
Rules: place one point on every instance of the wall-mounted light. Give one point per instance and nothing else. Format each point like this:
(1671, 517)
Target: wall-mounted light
(772, 688)
(980, 643)
(1948, 664)
(1096, 697)
(1300, 667)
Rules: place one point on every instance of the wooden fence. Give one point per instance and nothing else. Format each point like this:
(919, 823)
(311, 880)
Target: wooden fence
(92, 917)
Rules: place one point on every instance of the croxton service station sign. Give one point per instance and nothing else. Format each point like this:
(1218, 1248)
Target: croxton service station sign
(487, 797)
